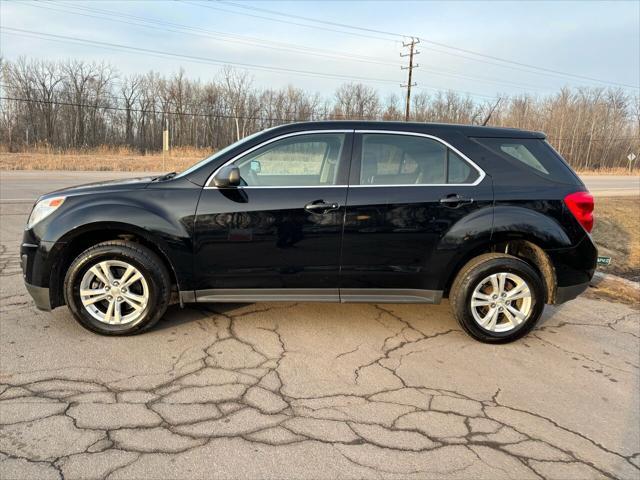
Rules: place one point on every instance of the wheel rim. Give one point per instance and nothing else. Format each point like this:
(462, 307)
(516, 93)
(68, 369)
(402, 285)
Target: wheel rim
(114, 292)
(501, 302)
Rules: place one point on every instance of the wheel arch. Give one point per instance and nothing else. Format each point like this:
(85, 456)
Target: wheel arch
(526, 249)
(79, 240)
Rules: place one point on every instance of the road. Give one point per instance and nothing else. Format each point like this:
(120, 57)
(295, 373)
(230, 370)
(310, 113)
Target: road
(26, 186)
(21, 185)
(612, 185)
(312, 391)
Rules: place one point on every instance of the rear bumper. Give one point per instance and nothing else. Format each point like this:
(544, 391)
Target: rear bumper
(564, 294)
(574, 268)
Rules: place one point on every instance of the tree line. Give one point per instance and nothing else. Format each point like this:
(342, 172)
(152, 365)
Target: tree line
(75, 104)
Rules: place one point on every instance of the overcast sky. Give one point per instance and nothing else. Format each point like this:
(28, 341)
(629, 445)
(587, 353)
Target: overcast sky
(598, 40)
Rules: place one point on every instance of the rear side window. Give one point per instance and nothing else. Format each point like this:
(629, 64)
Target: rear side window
(393, 159)
(532, 153)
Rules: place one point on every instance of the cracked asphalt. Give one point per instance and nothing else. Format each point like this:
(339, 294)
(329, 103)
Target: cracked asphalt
(313, 391)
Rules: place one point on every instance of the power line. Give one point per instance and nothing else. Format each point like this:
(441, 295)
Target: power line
(261, 43)
(284, 21)
(224, 112)
(198, 59)
(245, 117)
(425, 40)
(104, 14)
(139, 110)
(312, 114)
(317, 20)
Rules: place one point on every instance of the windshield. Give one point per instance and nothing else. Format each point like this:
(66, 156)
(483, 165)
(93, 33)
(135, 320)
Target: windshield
(217, 154)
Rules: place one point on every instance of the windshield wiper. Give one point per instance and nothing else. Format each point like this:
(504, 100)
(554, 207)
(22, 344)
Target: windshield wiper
(166, 176)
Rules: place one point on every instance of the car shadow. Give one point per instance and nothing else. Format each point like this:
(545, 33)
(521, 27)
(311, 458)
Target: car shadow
(177, 316)
(190, 312)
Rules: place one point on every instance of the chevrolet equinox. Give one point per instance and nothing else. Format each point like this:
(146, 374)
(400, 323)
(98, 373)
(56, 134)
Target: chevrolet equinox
(491, 218)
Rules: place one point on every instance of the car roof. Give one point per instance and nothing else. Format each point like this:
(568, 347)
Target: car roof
(427, 128)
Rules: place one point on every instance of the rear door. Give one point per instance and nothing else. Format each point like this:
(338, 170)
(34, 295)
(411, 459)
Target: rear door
(276, 237)
(410, 196)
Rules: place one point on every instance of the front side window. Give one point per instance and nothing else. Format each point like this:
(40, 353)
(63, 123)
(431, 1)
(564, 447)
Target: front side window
(302, 160)
(392, 159)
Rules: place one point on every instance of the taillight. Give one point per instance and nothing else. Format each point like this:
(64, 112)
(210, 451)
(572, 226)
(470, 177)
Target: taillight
(580, 204)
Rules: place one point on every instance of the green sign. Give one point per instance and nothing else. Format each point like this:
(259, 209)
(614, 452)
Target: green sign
(604, 260)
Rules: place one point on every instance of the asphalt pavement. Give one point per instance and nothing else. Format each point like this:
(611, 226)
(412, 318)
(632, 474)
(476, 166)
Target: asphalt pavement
(27, 185)
(612, 185)
(309, 390)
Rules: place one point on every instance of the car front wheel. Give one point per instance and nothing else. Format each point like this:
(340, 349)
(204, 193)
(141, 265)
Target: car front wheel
(497, 298)
(117, 288)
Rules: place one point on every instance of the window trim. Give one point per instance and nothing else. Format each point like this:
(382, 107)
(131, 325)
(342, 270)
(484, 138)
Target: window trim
(481, 173)
(208, 184)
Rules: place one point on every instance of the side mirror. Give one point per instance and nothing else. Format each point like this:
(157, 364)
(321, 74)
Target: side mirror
(228, 176)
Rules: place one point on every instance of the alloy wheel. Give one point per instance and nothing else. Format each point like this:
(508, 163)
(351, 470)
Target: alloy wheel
(501, 302)
(114, 292)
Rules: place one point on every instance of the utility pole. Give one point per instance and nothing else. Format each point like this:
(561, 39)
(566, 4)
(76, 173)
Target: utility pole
(412, 51)
(165, 141)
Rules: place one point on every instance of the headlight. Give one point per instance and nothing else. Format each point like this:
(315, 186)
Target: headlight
(43, 209)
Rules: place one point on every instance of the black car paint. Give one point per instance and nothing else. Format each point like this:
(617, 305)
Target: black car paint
(392, 237)
(264, 238)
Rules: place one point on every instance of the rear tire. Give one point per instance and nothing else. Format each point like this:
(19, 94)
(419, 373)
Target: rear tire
(497, 298)
(117, 288)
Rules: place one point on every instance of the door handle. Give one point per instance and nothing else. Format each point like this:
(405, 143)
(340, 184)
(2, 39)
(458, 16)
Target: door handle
(320, 206)
(455, 200)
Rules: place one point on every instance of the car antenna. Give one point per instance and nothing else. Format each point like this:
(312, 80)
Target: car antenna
(491, 112)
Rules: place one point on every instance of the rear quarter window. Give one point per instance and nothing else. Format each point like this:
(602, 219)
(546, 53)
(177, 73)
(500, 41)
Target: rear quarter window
(532, 154)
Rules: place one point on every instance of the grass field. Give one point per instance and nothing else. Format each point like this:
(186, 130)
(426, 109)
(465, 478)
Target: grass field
(617, 234)
(103, 159)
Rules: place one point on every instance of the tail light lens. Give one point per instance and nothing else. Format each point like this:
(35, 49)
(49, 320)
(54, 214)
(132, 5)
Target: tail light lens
(581, 204)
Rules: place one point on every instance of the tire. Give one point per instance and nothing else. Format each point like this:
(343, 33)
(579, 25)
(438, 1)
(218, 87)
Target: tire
(475, 281)
(137, 303)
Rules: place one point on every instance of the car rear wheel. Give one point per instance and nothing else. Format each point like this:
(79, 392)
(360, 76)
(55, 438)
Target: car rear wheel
(497, 298)
(117, 288)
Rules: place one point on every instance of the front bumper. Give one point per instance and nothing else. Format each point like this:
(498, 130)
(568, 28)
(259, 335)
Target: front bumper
(40, 296)
(39, 262)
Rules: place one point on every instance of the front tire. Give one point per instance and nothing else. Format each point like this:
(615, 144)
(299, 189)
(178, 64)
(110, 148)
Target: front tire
(497, 298)
(117, 288)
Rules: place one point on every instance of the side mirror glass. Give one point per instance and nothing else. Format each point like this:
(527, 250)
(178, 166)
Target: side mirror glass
(228, 176)
(256, 167)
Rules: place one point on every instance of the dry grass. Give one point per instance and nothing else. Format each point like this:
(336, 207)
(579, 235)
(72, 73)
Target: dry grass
(102, 159)
(617, 234)
(608, 287)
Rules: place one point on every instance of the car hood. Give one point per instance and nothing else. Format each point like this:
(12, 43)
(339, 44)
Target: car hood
(103, 187)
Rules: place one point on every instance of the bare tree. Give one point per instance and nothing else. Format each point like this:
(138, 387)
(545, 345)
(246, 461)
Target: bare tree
(130, 91)
(356, 101)
(76, 104)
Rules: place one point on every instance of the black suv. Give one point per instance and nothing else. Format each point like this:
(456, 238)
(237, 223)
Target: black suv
(494, 219)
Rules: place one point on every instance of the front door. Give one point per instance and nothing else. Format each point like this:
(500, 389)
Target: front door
(409, 197)
(277, 236)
